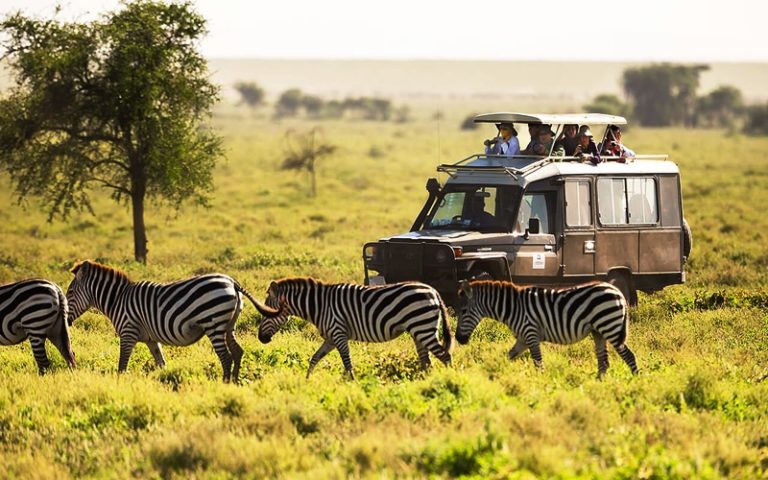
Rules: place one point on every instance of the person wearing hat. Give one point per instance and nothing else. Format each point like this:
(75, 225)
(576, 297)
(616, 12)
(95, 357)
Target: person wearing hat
(587, 148)
(546, 139)
(612, 145)
(505, 144)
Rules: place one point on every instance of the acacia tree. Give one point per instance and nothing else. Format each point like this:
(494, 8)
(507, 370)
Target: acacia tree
(251, 93)
(117, 103)
(303, 150)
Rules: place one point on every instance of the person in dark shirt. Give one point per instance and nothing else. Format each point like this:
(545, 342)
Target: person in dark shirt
(568, 139)
(587, 148)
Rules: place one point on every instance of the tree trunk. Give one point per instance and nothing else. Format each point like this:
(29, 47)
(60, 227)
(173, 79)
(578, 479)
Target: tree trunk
(139, 231)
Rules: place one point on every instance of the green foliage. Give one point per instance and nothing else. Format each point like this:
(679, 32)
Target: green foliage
(251, 93)
(720, 108)
(756, 122)
(289, 103)
(609, 104)
(696, 410)
(116, 103)
(663, 94)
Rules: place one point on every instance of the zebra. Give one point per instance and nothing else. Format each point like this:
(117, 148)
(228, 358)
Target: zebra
(343, 312)
(557, 315)
(35, 309)
(178, 313)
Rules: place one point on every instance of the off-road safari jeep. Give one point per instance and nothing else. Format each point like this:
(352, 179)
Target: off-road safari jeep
(543, 220)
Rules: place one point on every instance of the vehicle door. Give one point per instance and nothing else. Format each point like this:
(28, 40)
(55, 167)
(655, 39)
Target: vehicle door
(578, 248)
(617, 238)
(536, 257)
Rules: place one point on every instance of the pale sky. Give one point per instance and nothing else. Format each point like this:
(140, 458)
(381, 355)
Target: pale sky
(646, 31)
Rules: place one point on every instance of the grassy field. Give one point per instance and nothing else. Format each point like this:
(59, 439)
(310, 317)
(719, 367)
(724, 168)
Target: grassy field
(699, 407)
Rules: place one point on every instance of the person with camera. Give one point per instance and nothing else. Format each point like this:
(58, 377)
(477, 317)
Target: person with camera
(587, 148)
(505, 144)
(612, 145)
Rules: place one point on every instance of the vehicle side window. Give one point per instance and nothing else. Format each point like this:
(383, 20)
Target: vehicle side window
(536, 205)
(623, 201)
(578, 211)
(642, 200)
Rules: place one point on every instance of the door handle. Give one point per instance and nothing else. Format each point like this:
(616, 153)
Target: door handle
(548, 248)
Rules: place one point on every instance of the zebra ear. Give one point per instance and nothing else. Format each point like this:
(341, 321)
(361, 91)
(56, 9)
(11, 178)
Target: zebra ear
(79, 264)
(465, 289)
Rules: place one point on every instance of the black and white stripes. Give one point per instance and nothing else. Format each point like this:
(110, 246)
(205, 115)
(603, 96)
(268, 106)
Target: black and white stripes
(35, 309)
(177, 313)
(561, 316)
(343, 312)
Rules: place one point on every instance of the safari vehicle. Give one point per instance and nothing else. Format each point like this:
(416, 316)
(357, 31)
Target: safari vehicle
(546, 221)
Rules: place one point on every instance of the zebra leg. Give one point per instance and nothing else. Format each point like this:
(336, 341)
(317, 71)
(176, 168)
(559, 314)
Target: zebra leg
(342, 345)
(601, 351)
(220, 347)
(38, 349)
(127, 343)
(437, 350)
(236, 351)
(157, 354)
(518, 348)
(532, 342)
(629, 358)
(423, 353)
(321, 352)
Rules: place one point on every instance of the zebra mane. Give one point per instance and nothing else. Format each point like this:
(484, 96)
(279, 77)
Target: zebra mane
(99, 266)
(297, 280)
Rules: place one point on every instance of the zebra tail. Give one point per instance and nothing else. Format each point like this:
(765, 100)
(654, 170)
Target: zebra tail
(264, 310)
(63, 319)
(447, 337)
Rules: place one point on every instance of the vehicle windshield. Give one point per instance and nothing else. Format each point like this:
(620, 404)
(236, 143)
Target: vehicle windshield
(474, 207)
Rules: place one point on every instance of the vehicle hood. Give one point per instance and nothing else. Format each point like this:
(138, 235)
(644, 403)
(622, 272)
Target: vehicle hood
(454, 237)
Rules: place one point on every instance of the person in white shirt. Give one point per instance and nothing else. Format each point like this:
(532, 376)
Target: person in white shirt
(505, 144)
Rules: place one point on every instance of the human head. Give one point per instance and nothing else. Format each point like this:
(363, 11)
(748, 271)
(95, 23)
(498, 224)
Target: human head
(507, 130)
(570, 130)
(585, 135)
(545, 133)
(615, 133)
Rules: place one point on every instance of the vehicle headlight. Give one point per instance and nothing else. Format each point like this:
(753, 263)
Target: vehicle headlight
(370, 252)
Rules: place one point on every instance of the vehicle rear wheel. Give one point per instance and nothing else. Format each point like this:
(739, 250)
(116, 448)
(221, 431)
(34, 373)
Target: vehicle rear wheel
(623, 281)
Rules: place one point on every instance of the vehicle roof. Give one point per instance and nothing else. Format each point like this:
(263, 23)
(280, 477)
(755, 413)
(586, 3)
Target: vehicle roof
(522, 172)
(551, 119)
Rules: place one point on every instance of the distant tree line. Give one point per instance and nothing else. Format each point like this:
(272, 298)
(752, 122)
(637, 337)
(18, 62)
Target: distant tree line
(665, 95)
(293, 102)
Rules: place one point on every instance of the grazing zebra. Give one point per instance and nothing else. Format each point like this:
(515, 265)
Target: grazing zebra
(36, 309)
(345, 312)
(561, 315)
(177, 313)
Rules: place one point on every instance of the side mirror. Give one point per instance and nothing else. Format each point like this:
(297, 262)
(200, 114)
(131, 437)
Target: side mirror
(433, 186)
(534, 227)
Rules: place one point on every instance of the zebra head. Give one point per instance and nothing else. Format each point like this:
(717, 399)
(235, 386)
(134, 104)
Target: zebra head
(271, 323)
(93, 286)
(470, 312)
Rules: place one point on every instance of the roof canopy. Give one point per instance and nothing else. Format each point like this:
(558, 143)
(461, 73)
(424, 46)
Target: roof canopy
(551, 119)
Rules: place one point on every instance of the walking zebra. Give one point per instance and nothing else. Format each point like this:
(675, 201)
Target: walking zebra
(561, 315)
(177, 313)
(343, 312)
(36, 309)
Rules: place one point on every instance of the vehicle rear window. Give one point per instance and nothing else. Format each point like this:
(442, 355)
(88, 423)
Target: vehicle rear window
(623, 201)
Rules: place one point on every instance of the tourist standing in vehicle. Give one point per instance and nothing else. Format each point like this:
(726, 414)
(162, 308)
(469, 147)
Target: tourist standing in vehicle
(505, 144)
(546, 139)
(612, 145)
(587, 149)
(568, 139)
(533, 131)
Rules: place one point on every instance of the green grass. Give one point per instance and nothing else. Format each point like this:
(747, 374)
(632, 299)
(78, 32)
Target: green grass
(699, 407)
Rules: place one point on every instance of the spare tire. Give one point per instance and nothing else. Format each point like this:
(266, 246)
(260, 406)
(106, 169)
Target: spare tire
(687, 240)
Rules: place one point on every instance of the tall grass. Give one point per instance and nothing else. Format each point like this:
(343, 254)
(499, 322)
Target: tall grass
(698, 408)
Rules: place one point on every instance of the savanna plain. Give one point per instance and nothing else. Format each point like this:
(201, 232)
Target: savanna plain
(698, 408)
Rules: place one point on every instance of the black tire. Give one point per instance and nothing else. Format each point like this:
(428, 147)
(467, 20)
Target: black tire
(623, 281)
(687, 241)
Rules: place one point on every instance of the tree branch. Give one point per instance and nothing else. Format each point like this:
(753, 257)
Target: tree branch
(108, 184)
